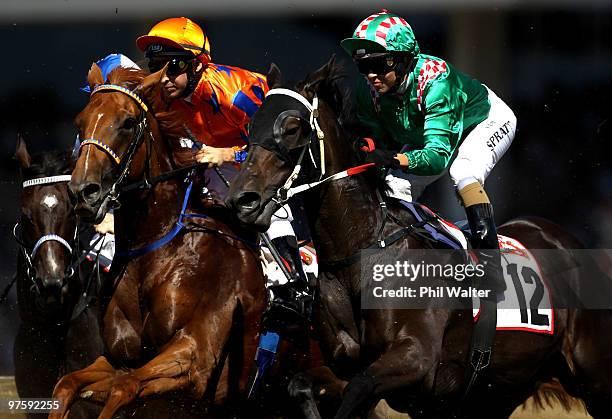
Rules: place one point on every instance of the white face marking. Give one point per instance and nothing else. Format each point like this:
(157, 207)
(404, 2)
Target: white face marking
(49, 201)
(100, 115)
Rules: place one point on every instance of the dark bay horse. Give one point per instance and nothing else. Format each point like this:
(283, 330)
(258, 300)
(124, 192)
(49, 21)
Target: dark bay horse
(416, 359)
(56, 293)
(184, 317)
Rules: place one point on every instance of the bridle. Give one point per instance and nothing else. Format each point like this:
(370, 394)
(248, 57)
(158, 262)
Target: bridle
(123, 162)
(31, 255)
(285, 192)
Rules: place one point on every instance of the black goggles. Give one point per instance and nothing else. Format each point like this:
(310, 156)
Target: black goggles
(379, 64)
(176, 66)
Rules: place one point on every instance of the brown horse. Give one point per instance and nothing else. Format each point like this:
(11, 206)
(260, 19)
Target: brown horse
(55, 290)
(416, 359)
(195, 302)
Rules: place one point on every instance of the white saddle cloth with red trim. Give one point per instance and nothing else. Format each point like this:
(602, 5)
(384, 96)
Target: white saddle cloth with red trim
(526, 304)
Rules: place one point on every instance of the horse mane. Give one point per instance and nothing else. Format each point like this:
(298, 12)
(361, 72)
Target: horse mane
(50, 163)
(331, 83)
(170, 123)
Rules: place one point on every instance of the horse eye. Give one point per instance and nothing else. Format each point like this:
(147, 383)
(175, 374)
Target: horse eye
(129, 123)
(291, 131)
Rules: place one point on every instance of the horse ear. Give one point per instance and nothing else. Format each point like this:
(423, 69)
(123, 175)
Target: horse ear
(310, 85)
(21, 153)
(94, 77)
(274, 76)
(151, 81)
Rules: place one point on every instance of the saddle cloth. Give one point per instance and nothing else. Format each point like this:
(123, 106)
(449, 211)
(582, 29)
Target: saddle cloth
(526, 304)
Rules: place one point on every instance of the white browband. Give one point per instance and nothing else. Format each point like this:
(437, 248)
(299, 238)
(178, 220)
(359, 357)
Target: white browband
(293, 94)
(46, 180)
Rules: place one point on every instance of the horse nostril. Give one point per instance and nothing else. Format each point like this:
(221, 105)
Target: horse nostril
(91, 192)
(51, 283)
(247, 201)
(73, 196)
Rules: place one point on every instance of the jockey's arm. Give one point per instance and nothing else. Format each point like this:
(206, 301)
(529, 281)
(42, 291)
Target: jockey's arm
(430, 160)
(443, 118)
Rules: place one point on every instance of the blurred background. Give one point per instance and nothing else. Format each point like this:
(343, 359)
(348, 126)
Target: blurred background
(551, 61)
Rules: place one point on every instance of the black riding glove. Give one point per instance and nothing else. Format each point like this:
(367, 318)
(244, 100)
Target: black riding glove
(384, 158)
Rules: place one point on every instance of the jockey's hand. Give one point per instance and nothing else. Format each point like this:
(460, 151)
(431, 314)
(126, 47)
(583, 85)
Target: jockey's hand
(384, 158)
(107, 225)
(214, 156)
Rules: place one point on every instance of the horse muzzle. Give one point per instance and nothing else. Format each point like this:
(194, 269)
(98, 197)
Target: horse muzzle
(250, 211)
(89, 201)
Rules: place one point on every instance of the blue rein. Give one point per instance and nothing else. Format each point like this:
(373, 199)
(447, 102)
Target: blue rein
(167, 238)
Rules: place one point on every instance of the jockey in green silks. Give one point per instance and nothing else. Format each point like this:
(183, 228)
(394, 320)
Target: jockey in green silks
(430, 119)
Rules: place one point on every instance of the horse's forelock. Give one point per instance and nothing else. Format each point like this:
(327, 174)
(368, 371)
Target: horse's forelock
(127, 77)
(49, 164)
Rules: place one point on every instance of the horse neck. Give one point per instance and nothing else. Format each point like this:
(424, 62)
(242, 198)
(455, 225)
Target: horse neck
(344, 215)
(145, 216)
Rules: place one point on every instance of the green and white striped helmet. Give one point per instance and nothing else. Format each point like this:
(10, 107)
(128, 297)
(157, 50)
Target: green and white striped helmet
(382, 32)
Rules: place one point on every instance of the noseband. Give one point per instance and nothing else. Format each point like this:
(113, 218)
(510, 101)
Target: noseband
(312, 109)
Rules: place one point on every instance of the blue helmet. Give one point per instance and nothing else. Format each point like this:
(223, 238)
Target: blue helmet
(109, 63)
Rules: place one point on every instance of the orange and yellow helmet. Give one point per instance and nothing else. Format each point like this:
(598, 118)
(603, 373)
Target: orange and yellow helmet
(177, 35)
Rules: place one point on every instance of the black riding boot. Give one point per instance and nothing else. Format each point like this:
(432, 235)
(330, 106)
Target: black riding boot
(290, 304)
(484, 241)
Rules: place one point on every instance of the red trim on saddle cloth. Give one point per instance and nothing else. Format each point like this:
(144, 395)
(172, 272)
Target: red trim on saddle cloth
(512, 246)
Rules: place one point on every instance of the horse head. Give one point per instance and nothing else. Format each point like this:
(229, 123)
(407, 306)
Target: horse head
(117, 131)
(47, 230)
(295, 138)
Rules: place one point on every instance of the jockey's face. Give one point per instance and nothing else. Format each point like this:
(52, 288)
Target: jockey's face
(379, 69)
(175, 83)
(174, 86)
(382, 82)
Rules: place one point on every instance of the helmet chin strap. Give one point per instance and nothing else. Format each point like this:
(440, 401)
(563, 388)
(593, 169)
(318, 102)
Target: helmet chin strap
(402, 71)
(193, 77)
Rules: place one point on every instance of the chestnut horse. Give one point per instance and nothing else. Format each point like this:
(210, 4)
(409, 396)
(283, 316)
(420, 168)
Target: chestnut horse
(416, 359)
(194, 300)
(56, 292)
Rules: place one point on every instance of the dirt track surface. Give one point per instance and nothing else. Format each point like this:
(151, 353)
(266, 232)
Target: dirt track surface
(7, 390)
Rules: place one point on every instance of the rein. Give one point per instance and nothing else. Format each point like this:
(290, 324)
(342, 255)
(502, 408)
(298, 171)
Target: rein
(287, 190)
(123, 164)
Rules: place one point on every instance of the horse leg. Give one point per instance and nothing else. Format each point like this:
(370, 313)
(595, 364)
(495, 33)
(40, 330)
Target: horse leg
(316, 390)
(37, 359)
(163, 373)
(301, 391)
(590, 358)
(83, 341)
(338, 332)
(413, 351)
(69, 385)
(121, 324)
(181, 363)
